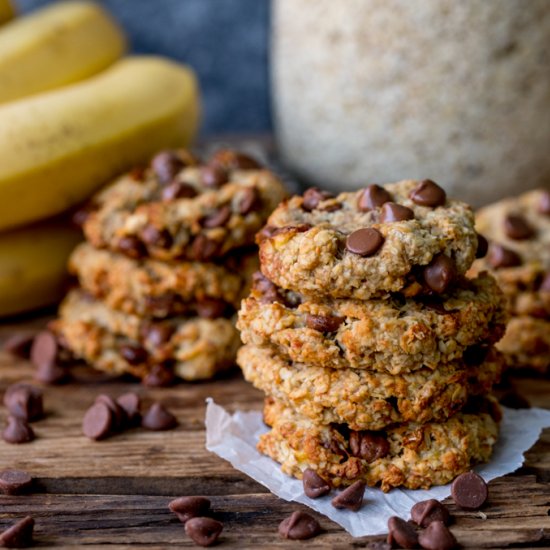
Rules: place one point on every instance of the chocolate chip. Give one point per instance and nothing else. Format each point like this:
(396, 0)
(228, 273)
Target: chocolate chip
(24, 401)
(51, 373)
(211, 308)
(203, 531)
(393, 212)
(178, 190)
(369, 446)
(372, 197)
(19, 535)
(312, 197)
(157, 418)
(469, 491)
(268, 291)
(189, 507)
(120, 419)
(364, 242)
(217, 218)
(159, 238)
(98, 421)
(248, 201)
(131, 404)
(19, 344)
(314, 485)
(131, 246)
(545, 284)
(134, 354)
(517, 228)
(324, 323)
(159, 376)
(160, 306)
(428, 193)
(44, 349)
(425, 512)
(351, 497)
(213, 176)
(157, 334)
(15, 482)
(514, 400)
(204, 249)
(499, 256)
(544, 203)
(440, 273)
(482, 246)
(437, 537)
(299, 526)
(166, 165)
(17, 431)
(401, 533)
(81, 215)
(234, 160)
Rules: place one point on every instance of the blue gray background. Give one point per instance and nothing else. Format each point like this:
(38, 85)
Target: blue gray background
(225, 41)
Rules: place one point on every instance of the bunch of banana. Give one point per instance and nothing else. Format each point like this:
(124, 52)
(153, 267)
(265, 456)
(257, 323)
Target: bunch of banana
(71, 129)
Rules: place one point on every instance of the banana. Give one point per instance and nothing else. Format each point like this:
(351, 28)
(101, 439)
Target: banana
(6, 11)
(33, 265)
(59, 147)
(55, 46)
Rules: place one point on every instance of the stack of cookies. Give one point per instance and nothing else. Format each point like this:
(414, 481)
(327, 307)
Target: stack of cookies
(518, 230)
(169, 253)
(374, 350)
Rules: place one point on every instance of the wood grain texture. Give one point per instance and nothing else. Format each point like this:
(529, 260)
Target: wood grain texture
(115, 492)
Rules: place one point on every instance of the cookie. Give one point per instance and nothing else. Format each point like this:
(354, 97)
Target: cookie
(394, 335)
(413, 456)
(175, 209)
(405, 236)
(152, 288)
(365, 400)
(189, 347)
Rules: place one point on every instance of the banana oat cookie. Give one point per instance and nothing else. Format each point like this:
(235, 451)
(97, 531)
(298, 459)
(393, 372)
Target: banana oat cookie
(366, 400)
(414, 456)
(406, 236)
(394, 335)
(189, 347)
(178, 209)
(152, 288)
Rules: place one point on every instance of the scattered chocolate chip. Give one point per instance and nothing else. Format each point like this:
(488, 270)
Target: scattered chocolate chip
(312, 197)
(364, 242)
(19, 343)
(157, 418)
(159, 376)
(514, 400)
(314, 485)
(204, 249)
(469, 491)
(401, 533)
(248, 200)
(17, 431)
(19, 535)
(544, 203)
(24, 401)
(213, 176)
(428, 193)
(189, 507)
(134, 354)
(211, 308)
(517, 228)
(369, 446)
(234, 160)
(324, 323)
(119, 414)
(351, 497)
(203, 531)
(131, 246)
(475, 355)
(44, 349)
(500, 256)
(178, 190)
(440, 273)
(437, 537)
(425, 512)
(98, 421)
(545, 284)
(166, 165)
(157, 334)
(131, 404)
(15, 482)
(51, 373)
(393, 212)
(372, 197)
(217, 218)
(159, 238)
(482, 246)
(299, 526)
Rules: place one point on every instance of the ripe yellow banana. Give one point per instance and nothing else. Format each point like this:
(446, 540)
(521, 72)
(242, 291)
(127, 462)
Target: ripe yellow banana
(6, 11)
(33, 265)
(55, 46)
(59, 147)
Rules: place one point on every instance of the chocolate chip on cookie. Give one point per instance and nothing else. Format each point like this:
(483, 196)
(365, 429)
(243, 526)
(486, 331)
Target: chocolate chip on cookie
(324, 323)
(393, 212)
(372, 197)
(160, 238)
(233, 160)
(134, 354)
(364, 242)
(369, 446)
(544, 203)
(203, 249)
(166, 165)
(248, 201)
(313, 196)
(440, 273)
(211, 308)
(217, 218)
(178, 190)
(428, 193)
(131, 246)
(517, 228)
(213, 176)
(500, 256)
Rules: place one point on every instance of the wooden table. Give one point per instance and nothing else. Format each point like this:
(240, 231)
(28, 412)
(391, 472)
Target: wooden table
(115, 492)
